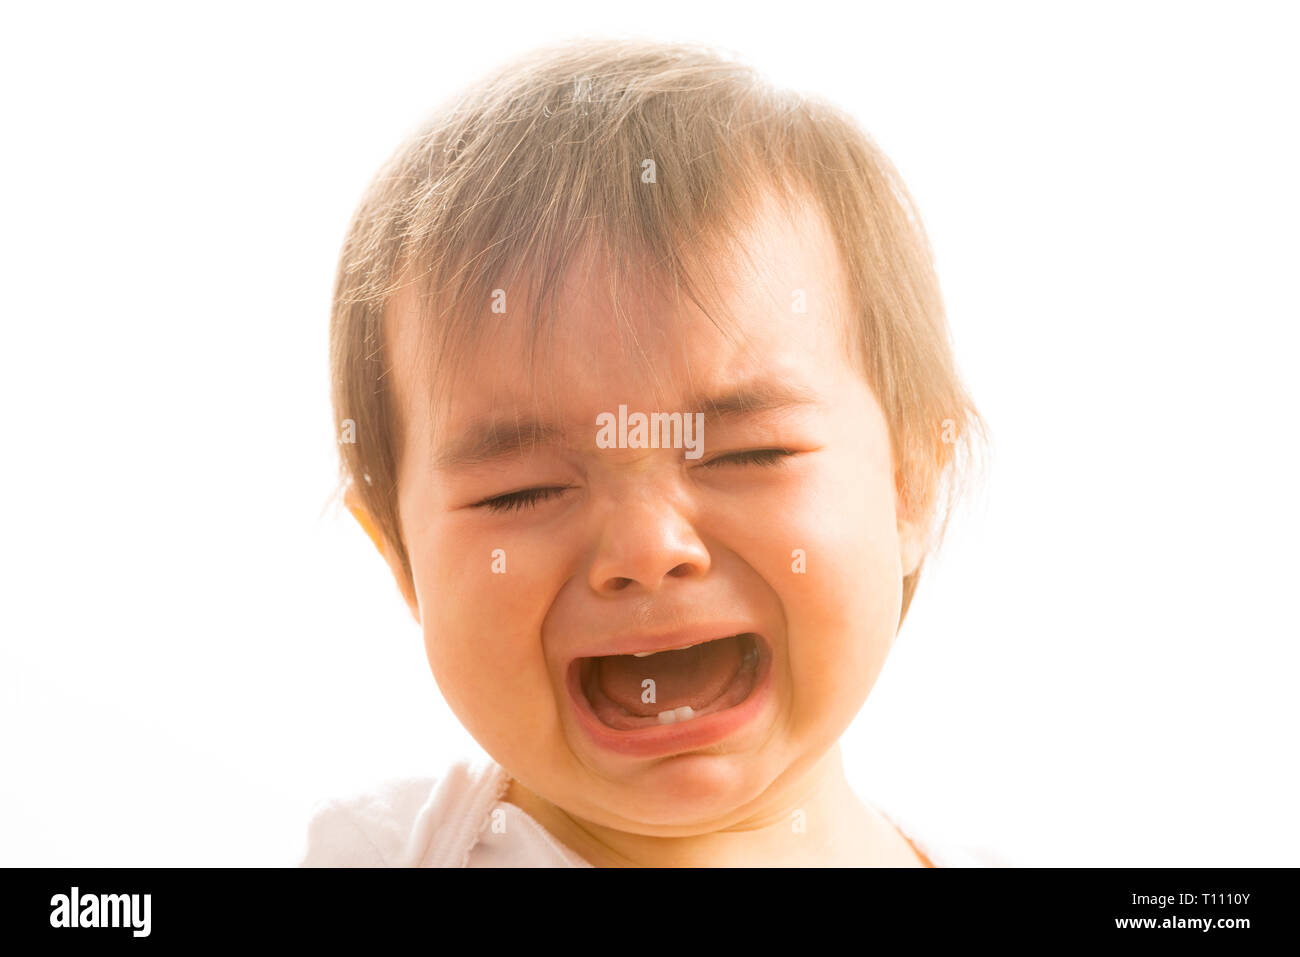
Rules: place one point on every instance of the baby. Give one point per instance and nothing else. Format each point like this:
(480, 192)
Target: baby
(645, 395)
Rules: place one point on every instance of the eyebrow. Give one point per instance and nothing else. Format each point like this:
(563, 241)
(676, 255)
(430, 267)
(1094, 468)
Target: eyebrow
(492, 439)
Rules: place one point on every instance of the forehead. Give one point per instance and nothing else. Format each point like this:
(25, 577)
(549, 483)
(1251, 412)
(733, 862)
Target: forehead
(785, 314)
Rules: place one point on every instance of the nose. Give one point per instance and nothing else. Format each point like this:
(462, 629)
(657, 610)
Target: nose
(644, 541)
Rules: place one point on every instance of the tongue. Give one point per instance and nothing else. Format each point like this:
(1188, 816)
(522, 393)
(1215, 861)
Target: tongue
(695, 676)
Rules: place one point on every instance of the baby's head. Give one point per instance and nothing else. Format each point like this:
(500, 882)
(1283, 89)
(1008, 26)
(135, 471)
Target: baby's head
(631, 352)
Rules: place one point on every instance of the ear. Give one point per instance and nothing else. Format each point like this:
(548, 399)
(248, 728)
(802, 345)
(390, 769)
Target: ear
(911, 546)
(352, 499)
(912, 533)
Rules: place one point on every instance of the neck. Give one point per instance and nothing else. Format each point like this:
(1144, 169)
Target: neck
(814, 821)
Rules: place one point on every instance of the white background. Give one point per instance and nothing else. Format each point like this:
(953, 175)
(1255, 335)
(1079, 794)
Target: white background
(196, 645)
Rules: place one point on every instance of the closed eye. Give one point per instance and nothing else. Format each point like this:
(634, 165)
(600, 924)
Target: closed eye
(515, 501)
(762, 457)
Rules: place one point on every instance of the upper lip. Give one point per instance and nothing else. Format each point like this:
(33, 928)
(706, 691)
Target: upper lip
(665, 640)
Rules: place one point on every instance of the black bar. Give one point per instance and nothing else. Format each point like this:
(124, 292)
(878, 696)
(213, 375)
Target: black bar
(294, 906)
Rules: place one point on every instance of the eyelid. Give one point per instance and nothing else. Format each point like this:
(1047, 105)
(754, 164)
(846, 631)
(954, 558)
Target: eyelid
(524, 498)
(763, 458)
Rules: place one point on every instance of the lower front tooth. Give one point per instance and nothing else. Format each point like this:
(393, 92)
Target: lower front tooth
(684, 713)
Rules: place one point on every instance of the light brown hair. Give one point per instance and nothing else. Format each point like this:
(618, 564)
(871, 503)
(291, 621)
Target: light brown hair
(526, 171)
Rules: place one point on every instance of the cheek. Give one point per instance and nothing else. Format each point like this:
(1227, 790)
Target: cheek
(482, 597)
(833, 534)
(842, 591)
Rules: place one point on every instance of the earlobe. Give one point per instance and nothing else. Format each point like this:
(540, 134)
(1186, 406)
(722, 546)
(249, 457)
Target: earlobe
(912, 537)
(352, 500)
(911, 547)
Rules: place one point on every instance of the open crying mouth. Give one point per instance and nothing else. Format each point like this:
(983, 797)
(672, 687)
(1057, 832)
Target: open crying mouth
(627, 692)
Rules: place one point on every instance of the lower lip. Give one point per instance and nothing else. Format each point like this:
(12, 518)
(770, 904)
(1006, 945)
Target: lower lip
(679, 736)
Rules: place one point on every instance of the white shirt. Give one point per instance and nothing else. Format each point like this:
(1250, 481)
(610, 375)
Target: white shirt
(460, 820)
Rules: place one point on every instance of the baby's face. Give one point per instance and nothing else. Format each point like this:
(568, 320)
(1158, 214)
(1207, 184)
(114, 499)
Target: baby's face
(535, 606)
